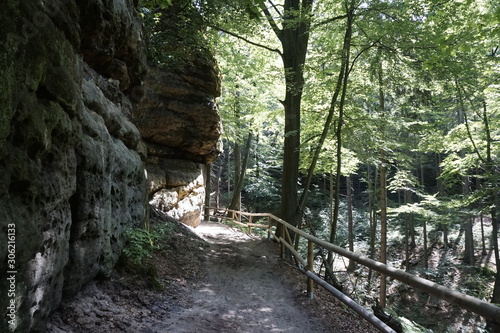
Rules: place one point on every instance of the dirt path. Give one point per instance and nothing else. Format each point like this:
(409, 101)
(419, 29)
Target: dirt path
(243, 290)
(217, 280)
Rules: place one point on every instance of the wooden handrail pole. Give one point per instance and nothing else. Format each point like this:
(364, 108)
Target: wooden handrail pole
(310, 267)
(483, 308)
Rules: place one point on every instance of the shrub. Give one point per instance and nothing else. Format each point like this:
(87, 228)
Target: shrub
(142, 243)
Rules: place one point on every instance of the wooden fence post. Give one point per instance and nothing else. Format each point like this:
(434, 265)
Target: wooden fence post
(310, 267)
(268, 227)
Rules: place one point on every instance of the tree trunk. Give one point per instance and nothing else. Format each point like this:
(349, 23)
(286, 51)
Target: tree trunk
(294, 38)
(492, 172)
(332, 198)
(467, 225)
(237, 174)
(383, 228)
(372, 187)
(257, 171)
(426, 255)
(407, 233)
(228, 172)
(495, 221)
(329, 259)
(217, 189)
(469, 236)
(235, 201)
(440, 188)
(346, 53)
(495, 298)
(208, 189)
(483, 238)
(422, 182)
(310, 173)
(413, 243)
(350, 222)
(341, 86)
(383, 191)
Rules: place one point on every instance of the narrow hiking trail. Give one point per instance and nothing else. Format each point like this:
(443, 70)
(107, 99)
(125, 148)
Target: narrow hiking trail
(211, 279)
(244, 290)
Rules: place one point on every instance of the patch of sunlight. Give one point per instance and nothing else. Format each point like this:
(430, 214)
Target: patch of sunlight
(231, 314)
(38, 263)
(266, 310)
(208, 291)
(38, 268)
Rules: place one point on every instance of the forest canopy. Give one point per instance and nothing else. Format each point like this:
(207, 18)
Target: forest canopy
(397, 100)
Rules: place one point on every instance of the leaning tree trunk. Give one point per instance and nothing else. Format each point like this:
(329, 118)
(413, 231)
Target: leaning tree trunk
(341, 86)
(467, 224)
(346, 53)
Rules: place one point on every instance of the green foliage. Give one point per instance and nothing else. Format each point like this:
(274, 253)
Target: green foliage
(142, 243)
(174, 33)
(414, 103)
(163, 4)
(478, 284)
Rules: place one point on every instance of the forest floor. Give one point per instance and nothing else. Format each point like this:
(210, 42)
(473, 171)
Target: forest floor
(210, 279)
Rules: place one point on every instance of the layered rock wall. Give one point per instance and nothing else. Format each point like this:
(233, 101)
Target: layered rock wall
(71, 173)
(180, 123)
(79, 156)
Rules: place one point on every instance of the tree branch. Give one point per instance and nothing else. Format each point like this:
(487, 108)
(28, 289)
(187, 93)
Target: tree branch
(247, 40)
(466, 121)
(331, 19)
(270, 19)
(276, 8)
(360, 53)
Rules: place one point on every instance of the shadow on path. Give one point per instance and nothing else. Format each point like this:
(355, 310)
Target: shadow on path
(243, 290)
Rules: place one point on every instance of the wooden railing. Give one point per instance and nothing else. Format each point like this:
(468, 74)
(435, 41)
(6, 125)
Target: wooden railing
(480, 307)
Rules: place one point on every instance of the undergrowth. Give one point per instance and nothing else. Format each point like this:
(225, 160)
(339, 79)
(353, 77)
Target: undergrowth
(142, 242)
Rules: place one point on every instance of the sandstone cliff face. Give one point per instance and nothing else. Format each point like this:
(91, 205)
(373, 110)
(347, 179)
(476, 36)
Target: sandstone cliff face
(180, 123)
(73, 174)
